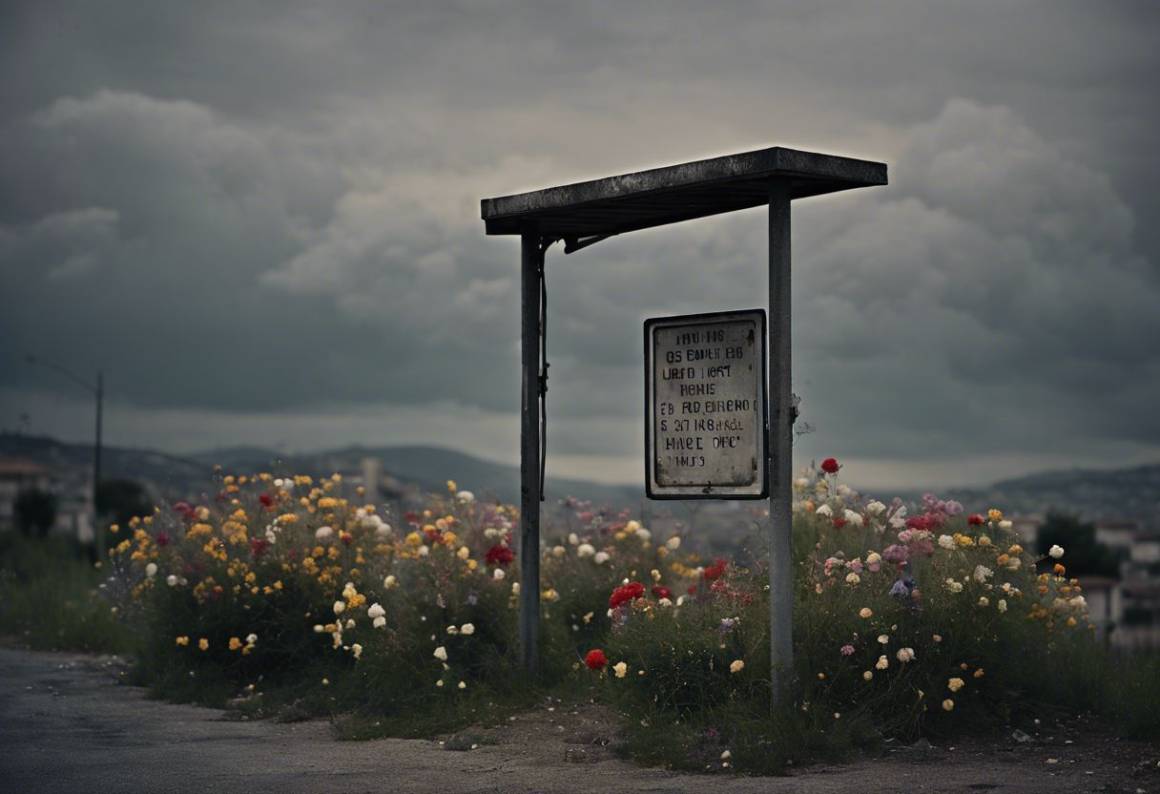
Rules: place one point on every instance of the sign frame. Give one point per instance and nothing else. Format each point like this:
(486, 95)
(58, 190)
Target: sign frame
(655, 491)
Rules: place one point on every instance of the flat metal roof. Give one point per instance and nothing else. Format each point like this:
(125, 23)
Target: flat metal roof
(659, 196)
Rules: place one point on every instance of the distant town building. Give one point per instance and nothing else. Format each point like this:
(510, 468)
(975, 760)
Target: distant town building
(74, 505)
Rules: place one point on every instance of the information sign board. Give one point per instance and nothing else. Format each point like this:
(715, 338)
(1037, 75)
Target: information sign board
(705, 406)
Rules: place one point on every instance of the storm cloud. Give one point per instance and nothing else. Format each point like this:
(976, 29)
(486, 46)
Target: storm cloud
(263, 222)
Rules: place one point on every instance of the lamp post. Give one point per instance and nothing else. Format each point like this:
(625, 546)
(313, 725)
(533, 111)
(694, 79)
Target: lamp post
(98, 391)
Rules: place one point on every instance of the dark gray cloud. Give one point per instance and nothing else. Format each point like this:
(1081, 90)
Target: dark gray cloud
(246, 213)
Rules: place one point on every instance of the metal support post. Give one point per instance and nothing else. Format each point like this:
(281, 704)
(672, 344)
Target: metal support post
(780, 451)
(531, 270)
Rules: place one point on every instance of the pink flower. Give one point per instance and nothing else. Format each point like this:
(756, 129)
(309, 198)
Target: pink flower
(896, 553)
(847, 650)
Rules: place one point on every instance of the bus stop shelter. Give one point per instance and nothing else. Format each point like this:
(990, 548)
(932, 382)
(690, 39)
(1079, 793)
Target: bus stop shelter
(584, 213)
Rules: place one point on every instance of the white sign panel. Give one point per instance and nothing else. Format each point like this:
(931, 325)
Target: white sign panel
(705, 406)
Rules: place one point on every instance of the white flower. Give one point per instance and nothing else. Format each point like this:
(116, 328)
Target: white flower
(664, 602)
(982, 573)
(379, 622)
(467, 497)
(726, 755)
(339, 606)
(440, 654)
(875, 508)
(644, 534)
(322, 533)
(452, 630)
(673, 543)
(251, 639)
(151, 570)
(356, 650)
(905, 654)
(1002, 605)
(1005, 524)
(1055, 552)
(319, 628)
(954, 586)
(825, 510)
(621, 669)
(1079, 602)
(350, 623)
(515, 588)
(984, 601)
(882, 662)
(171, 580)
(574, 539)
(600, 558)
(853, 578)
(390, 582)
(883, 638)
(853, 518)
(559, 551)
(424, 550)
(632, 526)
(467, 628)
(463, 685)
(585, 549)
(946, 542)
(802, 482)
(498, 574)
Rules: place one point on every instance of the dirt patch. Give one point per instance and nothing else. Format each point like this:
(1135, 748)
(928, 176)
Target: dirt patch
(69, 724)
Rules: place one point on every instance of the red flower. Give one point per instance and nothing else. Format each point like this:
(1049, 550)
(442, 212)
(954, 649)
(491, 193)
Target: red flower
(267, 501)
(162, 539)
(974, 519)
(716, 570)
(660, 591)
(839, 523)
(626, 593)
(830, 466)
(596, 660)
(186, 510)
(499, 555)
(258, 546)
(346, 537)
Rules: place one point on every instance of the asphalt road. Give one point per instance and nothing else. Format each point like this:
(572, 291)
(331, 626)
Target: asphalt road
(67, 725)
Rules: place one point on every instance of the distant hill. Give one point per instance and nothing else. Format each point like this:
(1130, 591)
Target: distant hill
(428, 467)
(1128, 493)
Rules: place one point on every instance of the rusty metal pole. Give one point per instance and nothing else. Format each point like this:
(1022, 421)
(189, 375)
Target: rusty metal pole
(780, 445)
(531, 273)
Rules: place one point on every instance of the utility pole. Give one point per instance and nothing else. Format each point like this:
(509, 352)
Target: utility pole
(98, 392)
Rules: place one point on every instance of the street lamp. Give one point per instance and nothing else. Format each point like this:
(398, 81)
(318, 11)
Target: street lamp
(98, 391)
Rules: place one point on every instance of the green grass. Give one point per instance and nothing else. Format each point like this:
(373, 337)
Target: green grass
(50, 598)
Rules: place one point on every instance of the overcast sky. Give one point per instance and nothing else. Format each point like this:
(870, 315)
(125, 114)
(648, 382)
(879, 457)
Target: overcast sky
(261, 221)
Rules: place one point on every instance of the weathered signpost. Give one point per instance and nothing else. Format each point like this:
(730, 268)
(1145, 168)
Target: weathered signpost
(710, 434)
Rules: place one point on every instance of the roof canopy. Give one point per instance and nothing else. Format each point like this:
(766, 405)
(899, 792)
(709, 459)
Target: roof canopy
(624, 203)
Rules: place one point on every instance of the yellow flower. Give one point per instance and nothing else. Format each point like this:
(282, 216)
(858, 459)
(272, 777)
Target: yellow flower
(203, 644)
(235, 643)
(736, 666)
(996, 515)
(183, 640)
(867, 675)
(414, 539)
(948, 705)
(955, 684)
(865, 613)
(621, 669)
(451, 486)
(328, 503)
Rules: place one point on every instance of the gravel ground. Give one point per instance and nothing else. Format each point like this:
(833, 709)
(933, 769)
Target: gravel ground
(68, 725)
